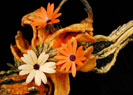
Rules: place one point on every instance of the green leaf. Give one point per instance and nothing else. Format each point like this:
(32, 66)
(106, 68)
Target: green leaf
(12, 66)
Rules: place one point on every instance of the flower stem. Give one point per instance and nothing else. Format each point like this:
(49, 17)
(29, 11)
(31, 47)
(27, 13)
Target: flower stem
(87, 6)
(62, 3)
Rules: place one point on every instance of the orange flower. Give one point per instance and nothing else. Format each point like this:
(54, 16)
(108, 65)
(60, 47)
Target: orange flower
(46, 17)
(70, 57)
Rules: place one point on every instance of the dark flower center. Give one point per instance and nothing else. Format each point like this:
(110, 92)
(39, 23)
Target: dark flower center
(48, 20)
(72, 57)
(36, 67)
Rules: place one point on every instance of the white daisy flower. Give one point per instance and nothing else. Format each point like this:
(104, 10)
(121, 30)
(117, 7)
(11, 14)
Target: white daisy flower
(36, 67)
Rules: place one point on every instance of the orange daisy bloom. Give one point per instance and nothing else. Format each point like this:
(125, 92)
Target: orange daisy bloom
(46, 17)
(70, 57)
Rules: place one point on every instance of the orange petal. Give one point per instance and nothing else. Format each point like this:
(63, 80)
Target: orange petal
(44, 12)
(60, 57)
(56, 11)
(73, 70)
(61, 62)
(48, 8)
(57, 15)
(69, 64)
(63, 52)
(64, 66)
(79, 51)
(56, 21)
(51, 10)
(74, 46)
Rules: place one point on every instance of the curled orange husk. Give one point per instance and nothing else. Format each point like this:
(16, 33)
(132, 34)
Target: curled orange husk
(17, 85)
(79, 32)
(85, 37)
(21, 43)
(15, 52)
(75, 30)
(61, 83)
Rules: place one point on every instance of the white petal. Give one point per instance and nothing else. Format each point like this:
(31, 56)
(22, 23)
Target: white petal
(48, 67)
(50, 64)
(49, 70)
(33, 56)
(45, 69)
(27, 59)
(25, 66)
(30, 76)
(43, 77)
(43, 58)
(38, 78)
(24, 72)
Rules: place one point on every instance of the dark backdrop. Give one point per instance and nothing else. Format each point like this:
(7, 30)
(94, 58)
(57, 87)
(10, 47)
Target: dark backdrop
(108, 15)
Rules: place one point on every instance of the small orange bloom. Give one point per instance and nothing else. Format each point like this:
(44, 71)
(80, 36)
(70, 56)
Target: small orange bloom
(46, 17)
(70, 57)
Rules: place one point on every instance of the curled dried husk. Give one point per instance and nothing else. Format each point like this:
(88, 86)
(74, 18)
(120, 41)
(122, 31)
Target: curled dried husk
(11, 83)
(111, 45)
(96, 48)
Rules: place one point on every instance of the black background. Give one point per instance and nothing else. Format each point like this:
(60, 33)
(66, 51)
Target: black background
(108, 15)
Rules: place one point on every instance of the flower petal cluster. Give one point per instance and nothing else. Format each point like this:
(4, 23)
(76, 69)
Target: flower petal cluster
(36, 67)
(46, 17)
(70, 57)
